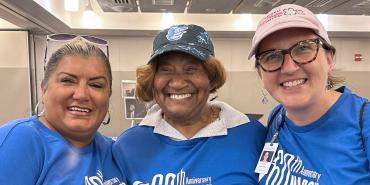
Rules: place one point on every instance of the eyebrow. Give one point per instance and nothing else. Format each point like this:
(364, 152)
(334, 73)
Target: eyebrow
(93, 78)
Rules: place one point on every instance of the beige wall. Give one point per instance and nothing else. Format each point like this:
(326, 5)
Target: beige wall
(14, 76)
(242, 89)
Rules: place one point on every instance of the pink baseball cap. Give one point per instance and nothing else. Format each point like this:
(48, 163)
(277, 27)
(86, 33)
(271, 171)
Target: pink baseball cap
(287, 16)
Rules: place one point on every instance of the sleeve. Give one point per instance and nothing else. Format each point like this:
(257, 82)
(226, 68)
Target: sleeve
(20, 155)
(110, 169)
(256, 139)
(366, 130)
(118, 153)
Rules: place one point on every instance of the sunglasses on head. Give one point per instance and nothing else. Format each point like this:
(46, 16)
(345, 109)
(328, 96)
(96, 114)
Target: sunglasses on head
(69, 37)
(56, 39)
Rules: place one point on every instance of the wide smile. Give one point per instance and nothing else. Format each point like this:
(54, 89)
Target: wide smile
(78, 109)
(294, 83)
(179, 96)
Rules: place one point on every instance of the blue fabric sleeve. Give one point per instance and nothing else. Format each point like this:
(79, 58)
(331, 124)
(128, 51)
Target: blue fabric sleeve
(20, 157)
(366, 131)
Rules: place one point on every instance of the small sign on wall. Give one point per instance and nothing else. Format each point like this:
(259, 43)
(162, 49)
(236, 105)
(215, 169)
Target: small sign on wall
(357, 57)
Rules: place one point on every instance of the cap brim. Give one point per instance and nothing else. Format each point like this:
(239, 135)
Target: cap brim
(197, 52)
(281, 26)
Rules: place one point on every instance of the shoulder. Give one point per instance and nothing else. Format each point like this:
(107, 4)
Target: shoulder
(351, 96)
(133, 134)
(252, 130)
(21, 144)
(102, 141)
(19, 132)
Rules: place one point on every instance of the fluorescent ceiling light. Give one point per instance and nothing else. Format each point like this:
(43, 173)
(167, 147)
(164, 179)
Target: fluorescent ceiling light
(71, 5)
(167, 20)
(323, 19)
(244, 22)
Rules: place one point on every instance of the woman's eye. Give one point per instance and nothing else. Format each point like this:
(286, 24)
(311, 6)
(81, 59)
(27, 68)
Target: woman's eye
(164, 69)
(272, 57)
(304, 47)
(191, 69)
(67, 80)
(97, 85)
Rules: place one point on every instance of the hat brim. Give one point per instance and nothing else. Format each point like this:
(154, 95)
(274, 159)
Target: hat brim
(281, 26)
(197, 52)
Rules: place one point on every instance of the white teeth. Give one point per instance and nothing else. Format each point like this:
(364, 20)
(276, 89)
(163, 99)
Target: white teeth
(293, 83)
(79, 109)
(179, 96)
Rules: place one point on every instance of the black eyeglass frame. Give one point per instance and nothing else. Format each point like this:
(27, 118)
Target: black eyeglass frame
(318, 42)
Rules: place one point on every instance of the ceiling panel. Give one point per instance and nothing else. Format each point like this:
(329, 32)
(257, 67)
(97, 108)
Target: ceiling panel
(212, 6)
(320, 6)
(118, 5)
(259, 6)
(157, 6)
(352, 7)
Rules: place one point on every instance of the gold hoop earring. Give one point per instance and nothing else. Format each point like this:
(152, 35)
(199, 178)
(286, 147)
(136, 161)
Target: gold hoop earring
(106, 122)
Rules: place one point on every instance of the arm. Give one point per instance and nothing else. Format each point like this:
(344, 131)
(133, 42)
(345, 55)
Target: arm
(366, 130)
(19, 155)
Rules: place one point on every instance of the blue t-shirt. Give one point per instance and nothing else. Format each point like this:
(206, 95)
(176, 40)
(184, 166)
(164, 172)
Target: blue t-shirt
(30, 153)
(150, 158)
(327, 151)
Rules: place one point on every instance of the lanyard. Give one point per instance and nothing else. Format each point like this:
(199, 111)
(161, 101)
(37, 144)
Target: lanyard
(277, 130)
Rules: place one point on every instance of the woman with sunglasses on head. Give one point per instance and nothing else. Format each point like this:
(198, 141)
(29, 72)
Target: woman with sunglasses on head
(317, 129)
(185, 138)
(61, 145)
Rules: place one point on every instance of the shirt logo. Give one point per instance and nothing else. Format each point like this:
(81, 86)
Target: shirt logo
(176, 32)
(176, 179)
(289, 169)
(98, 180)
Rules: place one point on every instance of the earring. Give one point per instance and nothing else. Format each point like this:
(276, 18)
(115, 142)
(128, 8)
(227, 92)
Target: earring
(35, 111)
(265, 100)
(329, 84)
(106, 122)
(213, 96)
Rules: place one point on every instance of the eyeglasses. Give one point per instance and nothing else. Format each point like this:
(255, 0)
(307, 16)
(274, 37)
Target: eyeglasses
(303, 52)
(55, 40)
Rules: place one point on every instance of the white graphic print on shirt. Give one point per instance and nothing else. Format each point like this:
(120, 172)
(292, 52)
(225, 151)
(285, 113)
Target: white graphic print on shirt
(289, 169)
(178, 179)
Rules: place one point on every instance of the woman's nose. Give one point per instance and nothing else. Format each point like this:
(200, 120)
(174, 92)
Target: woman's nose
(289, 66)
(178, 81)
(81, 92)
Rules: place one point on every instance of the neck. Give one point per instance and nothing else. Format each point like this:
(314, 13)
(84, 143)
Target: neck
(189, 128)
(312, 112)
(76, 141)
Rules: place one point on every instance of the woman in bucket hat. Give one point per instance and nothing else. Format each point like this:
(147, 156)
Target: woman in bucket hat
(186, 138)
(316, 130)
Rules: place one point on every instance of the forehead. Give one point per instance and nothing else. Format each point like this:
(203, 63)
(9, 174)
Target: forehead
(79, 63)
(174, 58)
(284, 38)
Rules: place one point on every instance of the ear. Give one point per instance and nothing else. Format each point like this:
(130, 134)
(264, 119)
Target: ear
(330, 58)
(259, 72)
(43, 87)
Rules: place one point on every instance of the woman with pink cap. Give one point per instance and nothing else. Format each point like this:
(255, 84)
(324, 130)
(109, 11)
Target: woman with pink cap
(320, 135)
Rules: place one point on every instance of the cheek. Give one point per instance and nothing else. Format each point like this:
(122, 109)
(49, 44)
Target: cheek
(158, 84)
(267, 79)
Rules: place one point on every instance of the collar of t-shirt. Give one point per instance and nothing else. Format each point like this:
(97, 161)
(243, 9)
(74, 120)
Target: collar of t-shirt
(228, 118)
